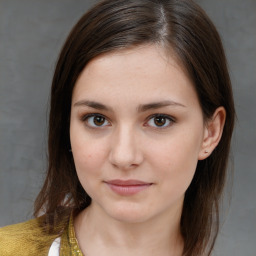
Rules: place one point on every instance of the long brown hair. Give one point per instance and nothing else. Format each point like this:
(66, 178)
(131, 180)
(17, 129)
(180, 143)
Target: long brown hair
(180, 26)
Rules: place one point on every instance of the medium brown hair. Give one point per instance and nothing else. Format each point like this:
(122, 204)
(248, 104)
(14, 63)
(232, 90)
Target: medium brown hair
(182, 27)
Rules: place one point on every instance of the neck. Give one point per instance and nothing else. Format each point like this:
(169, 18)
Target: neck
(159, 236)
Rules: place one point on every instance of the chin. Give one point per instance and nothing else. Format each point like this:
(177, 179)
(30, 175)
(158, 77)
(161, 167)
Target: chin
(129, 213)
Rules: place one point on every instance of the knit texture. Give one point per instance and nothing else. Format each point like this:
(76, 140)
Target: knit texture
(25, 239)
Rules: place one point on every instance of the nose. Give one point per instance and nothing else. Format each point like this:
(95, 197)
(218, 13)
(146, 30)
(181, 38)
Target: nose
(125, 150)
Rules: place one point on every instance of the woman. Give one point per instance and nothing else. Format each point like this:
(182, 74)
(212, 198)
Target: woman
(140, 126)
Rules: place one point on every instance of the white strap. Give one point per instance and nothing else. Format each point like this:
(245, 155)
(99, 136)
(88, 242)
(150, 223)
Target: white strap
(55, 248)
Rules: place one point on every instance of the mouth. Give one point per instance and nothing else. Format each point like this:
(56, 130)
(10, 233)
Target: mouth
(127, 187)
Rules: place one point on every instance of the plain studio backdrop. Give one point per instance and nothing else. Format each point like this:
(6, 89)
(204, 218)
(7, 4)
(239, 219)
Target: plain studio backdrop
(31, 35)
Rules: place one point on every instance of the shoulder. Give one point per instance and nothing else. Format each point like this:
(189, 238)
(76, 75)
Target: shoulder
(27, 238)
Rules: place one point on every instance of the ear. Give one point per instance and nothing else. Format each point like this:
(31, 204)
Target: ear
(212, 133)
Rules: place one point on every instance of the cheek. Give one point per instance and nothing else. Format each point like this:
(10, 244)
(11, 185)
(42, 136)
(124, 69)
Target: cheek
(178, 152)
(87, 158)
(175, 160)
(88, 155)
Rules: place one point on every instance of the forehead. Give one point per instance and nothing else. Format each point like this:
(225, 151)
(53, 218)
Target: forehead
(145, 71)
(137, 57)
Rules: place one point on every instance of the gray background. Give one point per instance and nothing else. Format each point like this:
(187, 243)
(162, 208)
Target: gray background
(31, 35)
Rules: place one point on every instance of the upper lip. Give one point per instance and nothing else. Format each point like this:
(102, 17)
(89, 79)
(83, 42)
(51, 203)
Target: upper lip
(118, 182)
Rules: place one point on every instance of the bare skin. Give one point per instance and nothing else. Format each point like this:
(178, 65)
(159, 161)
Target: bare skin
(136, 118)
(116, 238)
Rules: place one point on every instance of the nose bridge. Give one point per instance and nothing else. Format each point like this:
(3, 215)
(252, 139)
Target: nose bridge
(125, 151)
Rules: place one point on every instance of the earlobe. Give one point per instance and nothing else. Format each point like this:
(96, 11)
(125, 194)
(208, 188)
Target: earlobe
(213, 132)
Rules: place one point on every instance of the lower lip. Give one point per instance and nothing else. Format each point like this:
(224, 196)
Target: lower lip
(125, 190)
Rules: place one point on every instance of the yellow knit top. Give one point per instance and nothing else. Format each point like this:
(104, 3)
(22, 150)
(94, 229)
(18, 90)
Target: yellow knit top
(29, 238)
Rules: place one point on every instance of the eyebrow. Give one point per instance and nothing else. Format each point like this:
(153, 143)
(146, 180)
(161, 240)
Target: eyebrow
(141, 108)
(92, 104)
(161, 104)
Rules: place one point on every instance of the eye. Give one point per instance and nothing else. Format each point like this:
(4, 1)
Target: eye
(95, 120)
(160, 121)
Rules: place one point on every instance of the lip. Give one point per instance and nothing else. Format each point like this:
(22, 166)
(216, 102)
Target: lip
(127, 187)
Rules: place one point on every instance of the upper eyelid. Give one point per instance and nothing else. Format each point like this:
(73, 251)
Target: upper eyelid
(83, 117)
(150, 116)
(163, 115)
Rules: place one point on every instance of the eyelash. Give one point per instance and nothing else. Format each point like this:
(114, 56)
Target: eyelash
(168, 118)
(85, 119)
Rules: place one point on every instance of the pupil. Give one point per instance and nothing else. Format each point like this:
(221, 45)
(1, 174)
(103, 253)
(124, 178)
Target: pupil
(99, 120)
(160, 121)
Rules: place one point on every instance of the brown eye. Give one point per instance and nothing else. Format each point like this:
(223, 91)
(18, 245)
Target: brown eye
(96, 120)
(160, 121)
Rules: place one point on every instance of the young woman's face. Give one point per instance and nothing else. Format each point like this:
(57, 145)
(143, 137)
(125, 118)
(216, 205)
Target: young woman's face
(136, 133)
